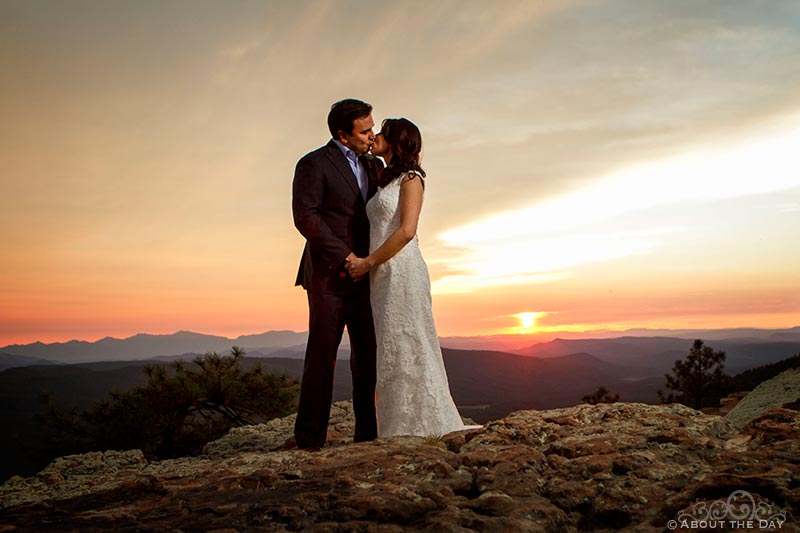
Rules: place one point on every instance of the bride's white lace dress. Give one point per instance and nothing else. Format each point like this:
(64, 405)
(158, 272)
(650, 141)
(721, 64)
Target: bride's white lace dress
(413, 395)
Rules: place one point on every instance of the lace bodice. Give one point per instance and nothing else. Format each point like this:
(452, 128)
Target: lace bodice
(384, 214)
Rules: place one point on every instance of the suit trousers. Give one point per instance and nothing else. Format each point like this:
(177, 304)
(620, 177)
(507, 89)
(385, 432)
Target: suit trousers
(328, 315)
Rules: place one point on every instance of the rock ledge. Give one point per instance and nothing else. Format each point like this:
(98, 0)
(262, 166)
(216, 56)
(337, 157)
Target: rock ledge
(622, 466)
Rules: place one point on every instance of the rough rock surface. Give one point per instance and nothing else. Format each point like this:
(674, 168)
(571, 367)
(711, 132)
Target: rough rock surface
(272, 435)
(622, 466)
(781, 391)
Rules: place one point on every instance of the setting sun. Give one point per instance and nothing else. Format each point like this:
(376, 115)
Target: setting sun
(527, 320)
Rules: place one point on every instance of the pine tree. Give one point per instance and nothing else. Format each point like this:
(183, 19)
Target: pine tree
(700, 378)
(176, 412)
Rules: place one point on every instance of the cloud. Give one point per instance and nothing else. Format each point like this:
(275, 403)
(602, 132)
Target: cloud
(553, 236)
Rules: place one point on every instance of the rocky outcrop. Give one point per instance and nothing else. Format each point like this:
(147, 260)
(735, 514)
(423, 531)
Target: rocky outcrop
(273, 435)
(622, 466)
(781, 391)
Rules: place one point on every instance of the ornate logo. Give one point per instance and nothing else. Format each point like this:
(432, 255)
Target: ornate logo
(739, 511)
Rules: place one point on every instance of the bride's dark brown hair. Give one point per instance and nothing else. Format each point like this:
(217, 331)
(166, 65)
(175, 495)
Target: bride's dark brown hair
(405, 140)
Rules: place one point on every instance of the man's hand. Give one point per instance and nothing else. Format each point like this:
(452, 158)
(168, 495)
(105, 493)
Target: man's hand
(357, 266)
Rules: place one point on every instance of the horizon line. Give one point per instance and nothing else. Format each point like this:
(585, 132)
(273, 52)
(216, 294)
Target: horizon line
(478, 336)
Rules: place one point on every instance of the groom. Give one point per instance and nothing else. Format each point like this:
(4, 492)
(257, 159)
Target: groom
(330, 190)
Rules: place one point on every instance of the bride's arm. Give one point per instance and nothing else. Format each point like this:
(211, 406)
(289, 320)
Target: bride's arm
(410, 206)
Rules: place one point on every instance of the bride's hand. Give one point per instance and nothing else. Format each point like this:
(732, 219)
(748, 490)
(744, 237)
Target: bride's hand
(357, 267)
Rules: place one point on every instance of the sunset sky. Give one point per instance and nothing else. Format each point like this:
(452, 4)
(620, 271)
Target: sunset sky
(591, 164)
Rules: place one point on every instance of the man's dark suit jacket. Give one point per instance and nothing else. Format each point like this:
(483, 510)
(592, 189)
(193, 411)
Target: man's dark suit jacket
(330, 212)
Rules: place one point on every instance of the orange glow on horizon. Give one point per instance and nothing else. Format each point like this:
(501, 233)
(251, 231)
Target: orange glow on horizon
(781, 321)
(536, 331)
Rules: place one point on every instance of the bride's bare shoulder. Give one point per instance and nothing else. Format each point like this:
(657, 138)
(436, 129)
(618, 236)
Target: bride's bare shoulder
(412, 175)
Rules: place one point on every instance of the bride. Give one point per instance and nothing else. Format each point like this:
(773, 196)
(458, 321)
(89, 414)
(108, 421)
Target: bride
(413, 394)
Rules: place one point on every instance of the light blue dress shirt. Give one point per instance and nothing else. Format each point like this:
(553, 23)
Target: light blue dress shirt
(358, 170)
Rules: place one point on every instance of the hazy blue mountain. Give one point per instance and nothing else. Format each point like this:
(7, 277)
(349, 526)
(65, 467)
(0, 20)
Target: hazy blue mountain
(744, 355)
(650, 353)
(8, 360)
(273, 339)
(656, 355)
(786, 335)
(146, 346)
(749, 334)
(514, 342)
(292, 352)
(488, 385)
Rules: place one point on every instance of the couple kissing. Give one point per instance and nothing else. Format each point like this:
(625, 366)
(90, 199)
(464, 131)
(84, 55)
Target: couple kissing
(362, 268)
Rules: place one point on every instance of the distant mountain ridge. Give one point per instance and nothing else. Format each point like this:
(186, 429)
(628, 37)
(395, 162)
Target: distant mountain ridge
(146, 345)
(516, 342)
(649, 353)
(8, 360)
(655, 355)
